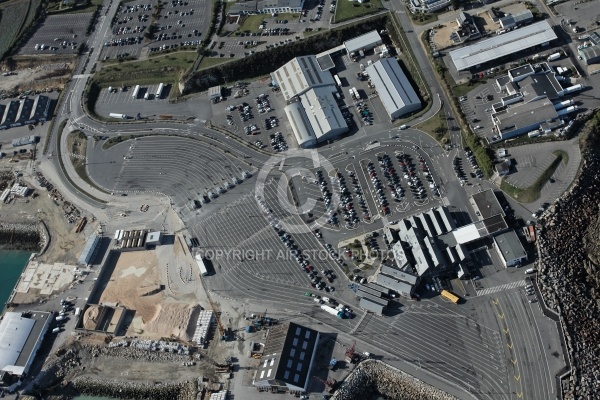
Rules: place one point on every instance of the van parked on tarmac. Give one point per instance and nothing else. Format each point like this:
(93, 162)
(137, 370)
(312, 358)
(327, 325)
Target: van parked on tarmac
(402, 127)
(530, 271)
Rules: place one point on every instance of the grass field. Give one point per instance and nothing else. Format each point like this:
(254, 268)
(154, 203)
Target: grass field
(11, 21)
(347, 10)
(251, 23)
(208, 62)
(433, 123)
(532, 193)
(157, 69)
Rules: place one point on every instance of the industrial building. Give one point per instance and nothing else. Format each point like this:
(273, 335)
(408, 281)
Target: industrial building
(485, 51)
(539, 88)
(90, 250)
(26, 111)
(21, 335)
(376, 306)
(517, 19)
(364, 42)
(428, 6)
(266, 7)
(300, 75)
(509, 248)
(486, 204)
(589, 51)
(287, 359)
(312, 109)
(154, 238)
(394, 89)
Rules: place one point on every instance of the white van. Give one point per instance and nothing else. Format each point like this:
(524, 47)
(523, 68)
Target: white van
(402, 127)
(530, 271)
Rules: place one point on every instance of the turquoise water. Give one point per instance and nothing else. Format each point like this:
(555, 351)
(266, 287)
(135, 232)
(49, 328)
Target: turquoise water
(11, 266)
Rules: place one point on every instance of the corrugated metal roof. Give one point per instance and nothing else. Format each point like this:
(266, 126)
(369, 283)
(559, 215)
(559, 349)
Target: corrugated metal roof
(368, 40)
(393, 86)
(371, 306)
(300, 75)
(591, 52)
(502, 45)
(300, 124)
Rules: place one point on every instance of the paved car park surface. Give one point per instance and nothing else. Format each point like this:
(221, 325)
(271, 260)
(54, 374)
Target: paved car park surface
(179, 24)
(122, 102)
(59, 34)
(581, 14)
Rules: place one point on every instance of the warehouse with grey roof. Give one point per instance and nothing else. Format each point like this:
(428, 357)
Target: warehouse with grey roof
(488, 50)
(394, 89)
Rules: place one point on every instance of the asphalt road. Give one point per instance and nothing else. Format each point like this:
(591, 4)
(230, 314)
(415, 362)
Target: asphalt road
(466, 345)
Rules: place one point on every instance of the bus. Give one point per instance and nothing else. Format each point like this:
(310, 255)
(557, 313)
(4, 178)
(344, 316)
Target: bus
(449, 296)
(337, 80)
(136, 91)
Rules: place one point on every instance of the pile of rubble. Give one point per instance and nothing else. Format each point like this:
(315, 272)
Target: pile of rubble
(136, 390)
(134, 353)
(373, 376)
(569, 278)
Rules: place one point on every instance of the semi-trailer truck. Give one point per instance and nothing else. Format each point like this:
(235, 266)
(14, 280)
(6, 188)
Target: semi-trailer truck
(116, 115)
(554, 57)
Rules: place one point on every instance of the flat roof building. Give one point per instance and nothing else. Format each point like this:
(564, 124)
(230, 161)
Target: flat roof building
(89, 250)
(524, 118)
(301, 127)
(538, 86)
(373, 306)
(394, 89)
(363, 42)
(428, 6)
(287, 358)
(509, 248)
(503, 45)
(486, 203)
(20, 337)
(398, 286)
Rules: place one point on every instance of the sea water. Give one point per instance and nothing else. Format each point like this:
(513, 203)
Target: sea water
(12, 263)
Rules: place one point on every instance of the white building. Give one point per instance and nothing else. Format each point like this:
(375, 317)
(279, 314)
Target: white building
(428, 6)
(363, 42)
(509, 248)
(300, 75)
(312, 110)
(393, 87)
(21, 335)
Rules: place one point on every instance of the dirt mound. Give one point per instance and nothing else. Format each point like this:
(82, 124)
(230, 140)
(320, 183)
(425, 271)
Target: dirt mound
(173, 319)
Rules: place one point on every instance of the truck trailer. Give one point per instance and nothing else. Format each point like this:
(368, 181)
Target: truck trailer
(116, 115)
(554, 57)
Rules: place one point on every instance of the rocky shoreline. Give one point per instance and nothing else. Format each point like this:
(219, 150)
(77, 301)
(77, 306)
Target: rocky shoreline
(131, 390)
(373, 376)
(24, 236)
(569, 274)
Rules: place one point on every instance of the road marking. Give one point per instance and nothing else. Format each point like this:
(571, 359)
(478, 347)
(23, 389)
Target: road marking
(505, 330)
(517, 377)
(500, 288)
(501, 316)
(509, 345)
(513, 361)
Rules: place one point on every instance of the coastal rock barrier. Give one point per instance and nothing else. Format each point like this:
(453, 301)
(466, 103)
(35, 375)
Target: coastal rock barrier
(132, 390)
(373, 376)
(24, 236)
(569, 274)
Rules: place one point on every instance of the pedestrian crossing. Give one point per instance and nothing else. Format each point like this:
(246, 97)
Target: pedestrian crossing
(500, 288)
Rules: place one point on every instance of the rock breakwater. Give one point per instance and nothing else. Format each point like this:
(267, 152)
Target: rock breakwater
(373, 376)
(569, 277)
(131, 390)
(24, 236)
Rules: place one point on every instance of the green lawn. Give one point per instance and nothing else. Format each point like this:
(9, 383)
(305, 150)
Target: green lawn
(208, 62)
(157, 69)
(252, 22)
(433, 123)
(532, 193)
(347, 10)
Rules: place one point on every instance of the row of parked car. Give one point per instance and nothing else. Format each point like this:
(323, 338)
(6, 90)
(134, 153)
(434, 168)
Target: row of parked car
(393, 180)
(359, 195)
(380, 198)
(326, 196)
(278, 142)
(473, 163)
(346, 205)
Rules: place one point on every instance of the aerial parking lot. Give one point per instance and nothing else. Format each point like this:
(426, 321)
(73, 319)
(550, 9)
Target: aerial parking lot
(59, 34)
(178, 24)
(148, 102)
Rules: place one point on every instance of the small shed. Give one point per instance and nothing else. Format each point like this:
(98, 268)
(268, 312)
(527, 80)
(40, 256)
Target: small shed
(154, 239)
(214, 93)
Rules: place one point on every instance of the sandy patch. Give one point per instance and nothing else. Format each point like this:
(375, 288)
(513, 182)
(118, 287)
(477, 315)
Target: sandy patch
(132, 270)
(173, 320)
